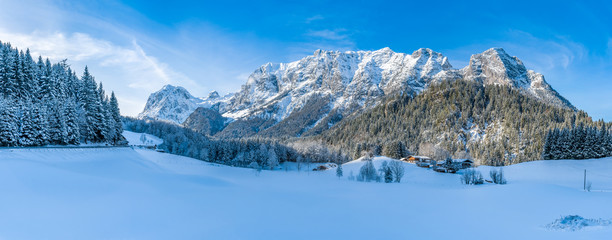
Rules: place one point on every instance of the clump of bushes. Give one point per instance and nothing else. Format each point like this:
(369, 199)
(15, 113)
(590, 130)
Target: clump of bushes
(367, 172)
(497, 176)
(389, 172)
(472, 177)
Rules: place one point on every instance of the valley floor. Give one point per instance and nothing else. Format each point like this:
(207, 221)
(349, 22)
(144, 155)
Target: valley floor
(125, 193)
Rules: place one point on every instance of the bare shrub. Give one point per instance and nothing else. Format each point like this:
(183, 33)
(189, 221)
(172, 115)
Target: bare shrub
(472, 177)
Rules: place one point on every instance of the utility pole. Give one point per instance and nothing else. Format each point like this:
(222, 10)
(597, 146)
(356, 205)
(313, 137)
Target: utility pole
(584, 188)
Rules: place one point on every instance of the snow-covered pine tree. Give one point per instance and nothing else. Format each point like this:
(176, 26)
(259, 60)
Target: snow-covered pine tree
(92, 129)
(28, 85)
(42, 78)
(26, 132)
(50, 104)
(547, 149)
(116, 116)
(8, 126)
(590, 143)
(19, 76)
(7, 76)
(40, 125)
(602, 139)
(107, 124)
(57, 123)
(272, 158)
(73, 135)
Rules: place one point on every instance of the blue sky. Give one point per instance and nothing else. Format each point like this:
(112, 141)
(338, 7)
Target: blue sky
(136, 47)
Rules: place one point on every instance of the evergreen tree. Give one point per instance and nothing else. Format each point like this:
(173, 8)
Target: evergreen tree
(50, 104)
(116, 119)
(339, 171)
(547, 150)
(57, 124)
(73, 134)
(8, 127)
(93, 122)
(272, 158)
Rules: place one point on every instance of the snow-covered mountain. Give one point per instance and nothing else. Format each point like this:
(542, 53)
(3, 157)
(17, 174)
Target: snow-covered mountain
(496, 67)
(175, 104)
(312, 94)
(348, 79)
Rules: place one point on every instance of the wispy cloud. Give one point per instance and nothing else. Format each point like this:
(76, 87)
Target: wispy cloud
(314, 18)
(116, 66)
(328, 34)
(540, 54)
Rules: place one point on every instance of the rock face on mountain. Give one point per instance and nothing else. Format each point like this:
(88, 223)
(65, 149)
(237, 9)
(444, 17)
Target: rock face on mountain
(206, 121)
(348, 79)
(310, 95)
(496, 67)
(339, 83)
(175, 104)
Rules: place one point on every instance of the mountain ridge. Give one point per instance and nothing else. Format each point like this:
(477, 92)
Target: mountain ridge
(348, 82)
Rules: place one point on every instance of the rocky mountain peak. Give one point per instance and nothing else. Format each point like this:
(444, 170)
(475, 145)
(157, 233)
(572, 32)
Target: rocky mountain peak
(173, 90)
(213, 95)
(495, 66)
(175, 104)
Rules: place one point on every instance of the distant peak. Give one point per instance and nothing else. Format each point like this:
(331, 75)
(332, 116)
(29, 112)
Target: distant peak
(385, 49)
(424, 50)
(427, 52)
(168, 87)
(495, 51)
(320, 52)
(213, 95)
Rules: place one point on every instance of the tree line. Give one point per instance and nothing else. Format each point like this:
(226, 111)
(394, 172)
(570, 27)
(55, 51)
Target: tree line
(259, 153)
(578, 142)
(43, 103)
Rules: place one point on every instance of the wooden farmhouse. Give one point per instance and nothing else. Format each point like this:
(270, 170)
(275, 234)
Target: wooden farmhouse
(415, 159)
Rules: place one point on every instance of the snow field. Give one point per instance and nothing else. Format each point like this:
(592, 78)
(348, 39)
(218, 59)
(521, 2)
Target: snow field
(134, 138)
(122, 193)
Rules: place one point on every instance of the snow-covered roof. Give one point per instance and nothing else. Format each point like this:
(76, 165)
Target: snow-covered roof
(463, 160)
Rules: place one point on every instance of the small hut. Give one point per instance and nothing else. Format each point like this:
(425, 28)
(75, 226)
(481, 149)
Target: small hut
(464, 163)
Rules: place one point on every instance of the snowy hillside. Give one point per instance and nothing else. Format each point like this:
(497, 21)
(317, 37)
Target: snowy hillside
(312, 94)
(141, 139)
(122, 193)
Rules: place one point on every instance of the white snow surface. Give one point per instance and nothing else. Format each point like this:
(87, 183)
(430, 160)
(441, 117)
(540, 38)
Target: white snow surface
(135, 138)
(124, 193)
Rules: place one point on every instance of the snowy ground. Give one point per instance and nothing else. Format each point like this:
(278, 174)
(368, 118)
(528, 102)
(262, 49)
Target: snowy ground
(123, 193)
(142, 139)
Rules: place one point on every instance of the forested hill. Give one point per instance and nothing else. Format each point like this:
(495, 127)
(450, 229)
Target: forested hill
(495, 125)
(45, 103)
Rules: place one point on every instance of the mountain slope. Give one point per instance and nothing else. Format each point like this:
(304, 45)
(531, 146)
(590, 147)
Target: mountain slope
(495, 124)
(346, 81)
(206, 121)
